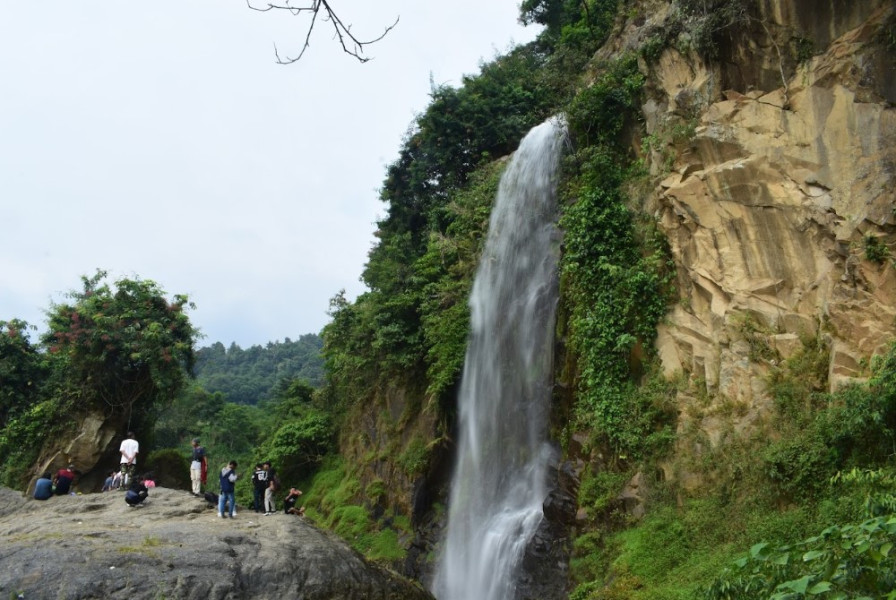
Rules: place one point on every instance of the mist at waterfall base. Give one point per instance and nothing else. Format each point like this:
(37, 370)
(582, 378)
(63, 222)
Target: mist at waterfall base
(499, 483)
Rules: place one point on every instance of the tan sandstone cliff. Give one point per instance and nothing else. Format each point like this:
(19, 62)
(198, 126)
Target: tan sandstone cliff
(787, 168)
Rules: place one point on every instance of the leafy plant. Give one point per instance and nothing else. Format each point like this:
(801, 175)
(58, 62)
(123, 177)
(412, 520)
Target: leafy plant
(299, 445)
(848, 561)
(709, 22)
(23, 369)
(875, 250)
(169, 468)
(414, 458)
(614, 275)
(25, 435)
(803, 48)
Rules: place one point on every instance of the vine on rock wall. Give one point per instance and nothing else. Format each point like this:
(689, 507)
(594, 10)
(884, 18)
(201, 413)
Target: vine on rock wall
(615, 275)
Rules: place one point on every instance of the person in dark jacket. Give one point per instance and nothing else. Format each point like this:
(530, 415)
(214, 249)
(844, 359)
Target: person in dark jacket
(198, 466)
(137, 492)
(228, 485)
(259, 485)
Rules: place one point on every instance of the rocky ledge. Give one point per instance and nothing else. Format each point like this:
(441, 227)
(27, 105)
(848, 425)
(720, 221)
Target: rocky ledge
(175, 546)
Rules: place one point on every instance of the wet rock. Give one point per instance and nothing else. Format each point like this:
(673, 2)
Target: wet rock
(544, 572)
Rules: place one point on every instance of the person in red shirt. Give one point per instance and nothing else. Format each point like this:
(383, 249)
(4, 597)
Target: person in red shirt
(63, 481)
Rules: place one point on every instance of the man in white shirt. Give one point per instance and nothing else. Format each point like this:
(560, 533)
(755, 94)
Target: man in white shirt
(129, 450)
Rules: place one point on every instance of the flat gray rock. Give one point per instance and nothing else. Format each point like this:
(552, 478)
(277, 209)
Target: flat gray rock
(175, 546)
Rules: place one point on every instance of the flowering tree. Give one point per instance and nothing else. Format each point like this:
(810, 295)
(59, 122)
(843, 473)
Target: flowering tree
(124, 347)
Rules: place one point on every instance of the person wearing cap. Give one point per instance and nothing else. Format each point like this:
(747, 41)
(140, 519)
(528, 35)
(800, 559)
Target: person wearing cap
(198, 467)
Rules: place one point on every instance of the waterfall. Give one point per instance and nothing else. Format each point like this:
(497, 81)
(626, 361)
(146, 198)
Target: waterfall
(499, 482)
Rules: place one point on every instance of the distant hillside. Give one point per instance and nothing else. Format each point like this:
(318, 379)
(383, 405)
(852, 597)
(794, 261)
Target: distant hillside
(248, 376)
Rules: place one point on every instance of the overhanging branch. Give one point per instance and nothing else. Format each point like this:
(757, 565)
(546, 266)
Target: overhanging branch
(351, 45)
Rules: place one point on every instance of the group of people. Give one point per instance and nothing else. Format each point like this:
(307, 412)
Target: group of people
(136, 486)
(58, 485)
(265, 482)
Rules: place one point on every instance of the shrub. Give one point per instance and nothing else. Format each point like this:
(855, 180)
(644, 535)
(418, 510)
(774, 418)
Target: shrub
(414, 458)
(843, 561)
(24, 436)
(875, 250)
(170, 468)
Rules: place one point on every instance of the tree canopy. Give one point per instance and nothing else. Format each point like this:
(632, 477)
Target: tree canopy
(249, 376)
(125, 345)
(120, 348)
(22, 369)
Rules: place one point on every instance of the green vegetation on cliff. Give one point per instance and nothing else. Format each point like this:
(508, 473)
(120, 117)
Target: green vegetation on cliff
(616, 271)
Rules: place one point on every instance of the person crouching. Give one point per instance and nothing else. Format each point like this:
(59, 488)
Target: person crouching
(137, 493)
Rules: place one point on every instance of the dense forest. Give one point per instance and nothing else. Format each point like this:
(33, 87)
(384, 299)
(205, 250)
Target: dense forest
(362, 417)
(249, 376)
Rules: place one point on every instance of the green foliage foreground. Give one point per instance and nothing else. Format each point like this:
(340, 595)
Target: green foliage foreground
(843, 561)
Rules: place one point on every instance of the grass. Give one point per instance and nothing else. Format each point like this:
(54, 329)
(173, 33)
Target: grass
(331, 501)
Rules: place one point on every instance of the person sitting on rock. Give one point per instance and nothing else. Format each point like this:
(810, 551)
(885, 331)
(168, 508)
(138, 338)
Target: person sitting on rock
(109, 482)
(149, 480)
(116, 480)
(137, 493)
(43, 488)
(63, 480)
(289, 503)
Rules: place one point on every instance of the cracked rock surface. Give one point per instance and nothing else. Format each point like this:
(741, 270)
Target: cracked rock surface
(175, 546)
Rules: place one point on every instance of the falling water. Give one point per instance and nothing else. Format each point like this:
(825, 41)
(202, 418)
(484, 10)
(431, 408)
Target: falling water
(499, 482)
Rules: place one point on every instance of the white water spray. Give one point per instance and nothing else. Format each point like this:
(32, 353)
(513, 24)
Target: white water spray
(499, 483)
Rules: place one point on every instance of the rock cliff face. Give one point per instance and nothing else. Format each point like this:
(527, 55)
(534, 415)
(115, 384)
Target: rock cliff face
(777, 197)
(95, 441)
(95, 546)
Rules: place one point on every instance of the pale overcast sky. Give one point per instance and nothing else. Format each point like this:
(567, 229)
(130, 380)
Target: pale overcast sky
(161, 140)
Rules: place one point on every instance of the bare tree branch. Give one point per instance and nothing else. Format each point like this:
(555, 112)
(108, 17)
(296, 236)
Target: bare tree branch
(351, 45)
